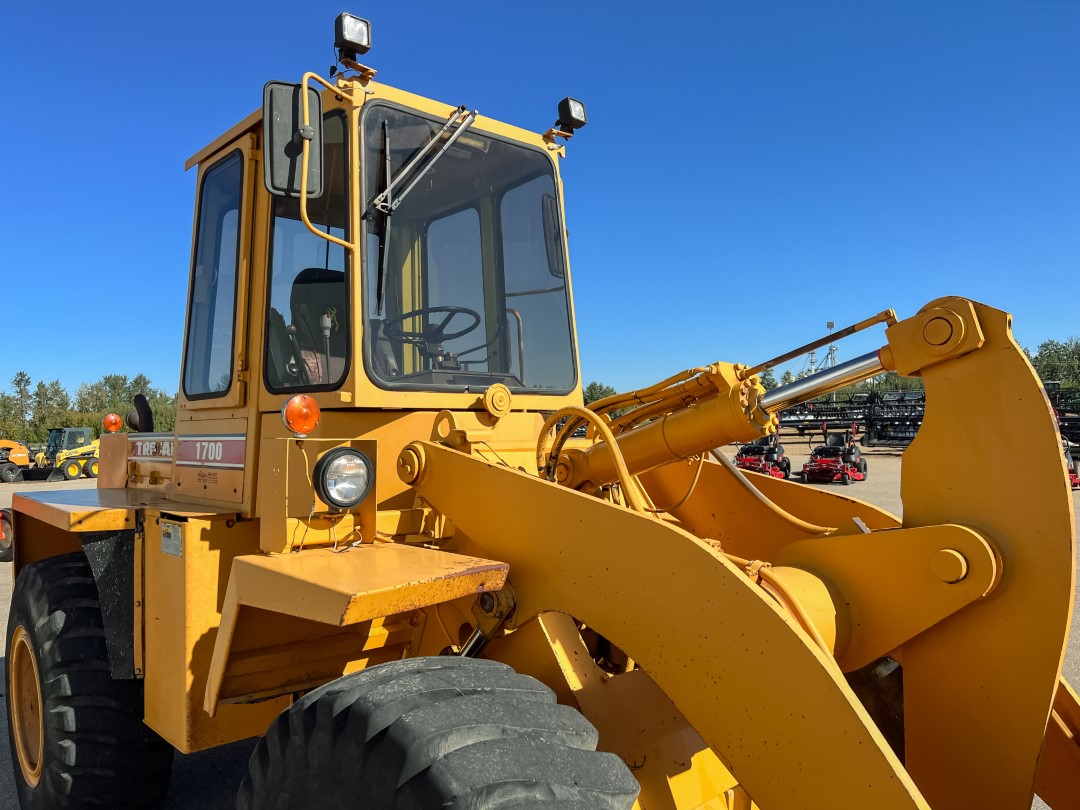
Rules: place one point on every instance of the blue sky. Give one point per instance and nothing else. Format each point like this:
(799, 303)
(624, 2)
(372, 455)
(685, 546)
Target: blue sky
(750, 170)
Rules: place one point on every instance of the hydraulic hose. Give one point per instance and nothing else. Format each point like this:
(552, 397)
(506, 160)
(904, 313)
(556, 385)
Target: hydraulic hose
(798, 523)
(626, 481)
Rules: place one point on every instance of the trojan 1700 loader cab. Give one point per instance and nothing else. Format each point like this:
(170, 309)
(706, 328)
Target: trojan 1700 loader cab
(372, 540)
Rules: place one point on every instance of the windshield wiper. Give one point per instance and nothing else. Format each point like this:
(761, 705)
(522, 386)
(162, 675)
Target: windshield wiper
(386, 203)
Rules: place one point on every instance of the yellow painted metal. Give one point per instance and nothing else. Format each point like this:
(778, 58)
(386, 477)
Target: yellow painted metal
(186, 563)
(293, 515)
(721, 509)
(26, 706)
(670, 760)
(81, 510)
(305, 153)
(341, 589)
(683, 433)
(978, 686)
(870, 576)
(250, 123)
(98, 510)
(1058, 779)
(235, 396)
(275, 654)
(220, 488)
(692, 620)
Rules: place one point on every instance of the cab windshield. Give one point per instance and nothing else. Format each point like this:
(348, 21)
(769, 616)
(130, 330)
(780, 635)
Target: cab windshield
(465, 282)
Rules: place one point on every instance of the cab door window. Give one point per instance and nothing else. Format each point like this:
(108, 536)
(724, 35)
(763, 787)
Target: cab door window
(208, 356)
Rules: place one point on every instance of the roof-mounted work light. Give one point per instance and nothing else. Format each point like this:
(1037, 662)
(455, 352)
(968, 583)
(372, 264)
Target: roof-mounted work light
(352, 36)
(571, 114)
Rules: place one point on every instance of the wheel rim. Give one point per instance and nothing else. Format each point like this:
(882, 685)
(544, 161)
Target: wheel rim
(73, 470)
(27, 720)
(93, 468)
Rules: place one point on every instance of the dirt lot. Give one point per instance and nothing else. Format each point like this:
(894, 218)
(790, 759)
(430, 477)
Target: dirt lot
(209, 780)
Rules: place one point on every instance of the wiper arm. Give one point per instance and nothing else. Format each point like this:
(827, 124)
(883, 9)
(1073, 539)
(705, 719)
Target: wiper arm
(385, 203)
(384, 231)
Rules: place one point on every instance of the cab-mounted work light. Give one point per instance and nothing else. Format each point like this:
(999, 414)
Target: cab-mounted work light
(352, 36)
(571, 114)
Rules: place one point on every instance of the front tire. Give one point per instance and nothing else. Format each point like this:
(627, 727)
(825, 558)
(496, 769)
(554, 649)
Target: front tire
(91, 467)
(433, 732)
(76, 735)
(72, 470)
(8, 473)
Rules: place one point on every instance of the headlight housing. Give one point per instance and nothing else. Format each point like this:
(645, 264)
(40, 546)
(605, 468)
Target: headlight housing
(343, 477)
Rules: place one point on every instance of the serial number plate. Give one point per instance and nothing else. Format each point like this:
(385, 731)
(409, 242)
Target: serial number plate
(172, 542)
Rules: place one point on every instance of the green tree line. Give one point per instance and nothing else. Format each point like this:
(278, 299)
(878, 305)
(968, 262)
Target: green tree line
(29, 409)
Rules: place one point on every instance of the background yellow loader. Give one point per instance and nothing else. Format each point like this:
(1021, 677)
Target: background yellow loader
(70, 453)
(374, 540)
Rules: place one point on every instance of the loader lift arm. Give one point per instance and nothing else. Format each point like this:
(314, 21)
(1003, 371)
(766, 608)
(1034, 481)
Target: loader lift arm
(980, 674)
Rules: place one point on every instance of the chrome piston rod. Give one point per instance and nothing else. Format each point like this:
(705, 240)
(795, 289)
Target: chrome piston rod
(823, 382)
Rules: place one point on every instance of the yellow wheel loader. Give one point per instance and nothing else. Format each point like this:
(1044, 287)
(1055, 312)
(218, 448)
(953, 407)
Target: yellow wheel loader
(374, 540)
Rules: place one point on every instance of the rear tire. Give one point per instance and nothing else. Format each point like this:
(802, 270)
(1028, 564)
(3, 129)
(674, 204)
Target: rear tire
(8, 473)
(433, 732)
(91, 467)
(76, 735)
(862, 467)
(72, 470)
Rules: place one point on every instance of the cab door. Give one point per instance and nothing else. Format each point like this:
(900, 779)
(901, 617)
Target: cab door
(211, 448)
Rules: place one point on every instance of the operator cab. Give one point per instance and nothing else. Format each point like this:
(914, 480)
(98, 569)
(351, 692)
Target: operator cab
(460, 281)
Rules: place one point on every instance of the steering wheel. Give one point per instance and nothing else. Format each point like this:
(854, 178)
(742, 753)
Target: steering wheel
(433, 334)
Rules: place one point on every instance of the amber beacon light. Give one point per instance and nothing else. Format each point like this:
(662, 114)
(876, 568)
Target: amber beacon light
(300, 415)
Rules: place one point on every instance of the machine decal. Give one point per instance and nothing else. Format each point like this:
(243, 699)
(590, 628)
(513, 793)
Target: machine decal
(172, 539)
(151, 446)
(221, 451)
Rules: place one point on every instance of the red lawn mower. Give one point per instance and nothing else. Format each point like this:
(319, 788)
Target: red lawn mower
(764, 455)
(839, 459)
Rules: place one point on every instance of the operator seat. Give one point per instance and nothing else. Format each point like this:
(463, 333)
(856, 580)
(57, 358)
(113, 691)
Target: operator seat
(320, 315)
(835, 440)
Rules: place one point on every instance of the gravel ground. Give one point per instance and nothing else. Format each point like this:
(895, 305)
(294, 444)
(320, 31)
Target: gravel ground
(209, 780)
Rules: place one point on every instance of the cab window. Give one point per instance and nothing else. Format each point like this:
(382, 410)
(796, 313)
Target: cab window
(208, 355)
(307, 332)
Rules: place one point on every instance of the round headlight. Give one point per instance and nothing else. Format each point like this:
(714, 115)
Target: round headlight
(343, 477)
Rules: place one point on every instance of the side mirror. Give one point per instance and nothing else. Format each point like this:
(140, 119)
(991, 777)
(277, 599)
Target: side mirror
(552, 236)
(284, 134)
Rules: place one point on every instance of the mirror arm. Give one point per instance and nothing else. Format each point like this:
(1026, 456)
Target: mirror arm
(305, 134)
